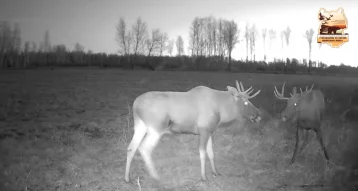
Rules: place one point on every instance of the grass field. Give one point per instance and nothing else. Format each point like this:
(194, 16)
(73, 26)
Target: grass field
(68, 129)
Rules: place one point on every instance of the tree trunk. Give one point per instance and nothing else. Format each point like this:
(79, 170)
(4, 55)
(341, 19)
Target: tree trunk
(147, 60)
(46, 56)
(264, 51)
(197, 60)
(309, 61)
(2, 60)
(148, 63)
(131, 61)
(128, 59)
(247, 53)
(230, 61)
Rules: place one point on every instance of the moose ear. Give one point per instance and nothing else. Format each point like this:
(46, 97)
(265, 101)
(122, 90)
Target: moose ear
(232, 90)
(294, 90)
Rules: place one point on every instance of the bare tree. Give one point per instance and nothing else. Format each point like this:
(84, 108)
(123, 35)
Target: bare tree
(123, 37)
(287, 34)
(309, 36)
(5, 41)
(162, 43)
(231, 37)
(272, 36)
(139, 31)
(33, 47)
(16, 41)
(170, 47)
(60, 51)
(209, 34)
(180, 45)
(139, 34)
(26, 54)
(204, 42)
(247, 40)
(41, 47)
(194, 36)
(153, 44)
(89, 57)
(201, 38)
(282, 36)
(253, 38)
(47, 43)
(79, 51)
(10, 45)
(213, 36)
(79, 47)
(27, 47)
(220, 38)
(16, 38)
(129, 43)
(264, 33)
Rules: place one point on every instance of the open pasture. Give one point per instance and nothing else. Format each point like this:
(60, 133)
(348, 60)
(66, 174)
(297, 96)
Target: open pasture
(68, 129)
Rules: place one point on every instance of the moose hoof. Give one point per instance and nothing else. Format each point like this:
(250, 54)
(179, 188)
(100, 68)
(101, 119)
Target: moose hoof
(216, 174)
(128, 182)
(328, 163)
(203, 179)
(291, 162)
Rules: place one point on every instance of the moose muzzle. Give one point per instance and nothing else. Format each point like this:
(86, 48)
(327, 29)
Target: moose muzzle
(256, 118)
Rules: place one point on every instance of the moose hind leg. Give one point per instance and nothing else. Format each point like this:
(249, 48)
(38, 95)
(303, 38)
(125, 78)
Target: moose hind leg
(139, 132)
(203, 140)
(320, 140)
(296, 146)
(210, 152)
(149, 143)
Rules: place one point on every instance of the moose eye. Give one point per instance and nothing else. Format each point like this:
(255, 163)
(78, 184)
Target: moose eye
(245, 103)
(295, 104)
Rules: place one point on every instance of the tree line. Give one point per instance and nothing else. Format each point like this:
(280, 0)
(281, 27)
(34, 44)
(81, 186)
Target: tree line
(211, 42)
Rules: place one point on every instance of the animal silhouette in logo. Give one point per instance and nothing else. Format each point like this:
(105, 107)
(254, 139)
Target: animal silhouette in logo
(332, 22)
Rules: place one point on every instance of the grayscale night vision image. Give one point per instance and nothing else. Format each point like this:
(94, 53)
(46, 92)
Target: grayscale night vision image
(178, 95)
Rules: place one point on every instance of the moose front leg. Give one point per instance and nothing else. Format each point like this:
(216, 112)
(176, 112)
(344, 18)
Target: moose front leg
(296, 146)
(304, 134)
(210, 152)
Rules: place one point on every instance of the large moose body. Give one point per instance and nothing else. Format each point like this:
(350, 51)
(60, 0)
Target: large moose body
(198, 111)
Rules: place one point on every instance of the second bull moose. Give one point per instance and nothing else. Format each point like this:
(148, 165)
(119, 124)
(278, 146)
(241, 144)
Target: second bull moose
(305, 111)
(198, 111)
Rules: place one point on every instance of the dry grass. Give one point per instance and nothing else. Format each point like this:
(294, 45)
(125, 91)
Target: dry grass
(68, 129)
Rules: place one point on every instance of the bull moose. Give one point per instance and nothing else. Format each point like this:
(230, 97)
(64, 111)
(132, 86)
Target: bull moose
(305, 111)
(198, 111)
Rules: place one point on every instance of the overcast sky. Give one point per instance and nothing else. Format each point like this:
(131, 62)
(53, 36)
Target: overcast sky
(92, 22)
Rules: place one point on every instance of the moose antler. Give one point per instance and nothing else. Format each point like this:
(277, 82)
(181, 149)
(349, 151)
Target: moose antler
(311, 88)
(307, 90)
(246, 93)
(280, 95)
